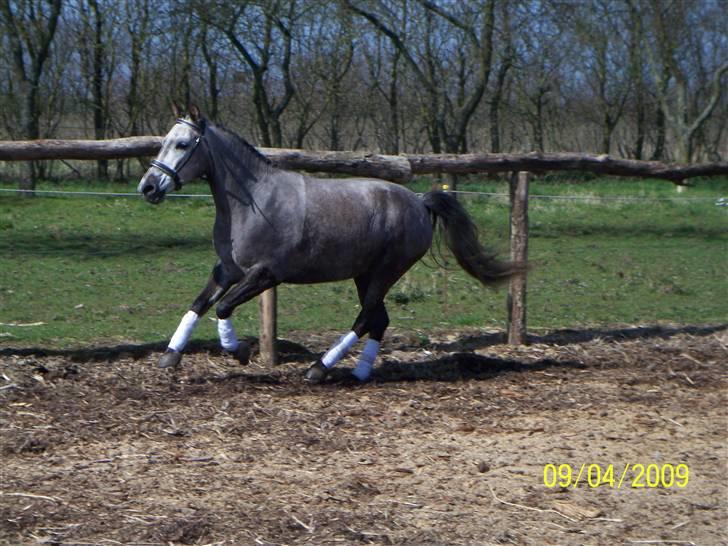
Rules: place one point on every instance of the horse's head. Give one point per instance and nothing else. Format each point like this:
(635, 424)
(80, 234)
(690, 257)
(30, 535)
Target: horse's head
(180, 160)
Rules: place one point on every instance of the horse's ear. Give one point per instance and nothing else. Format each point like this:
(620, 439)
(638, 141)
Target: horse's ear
(195, 114)
(176, 110)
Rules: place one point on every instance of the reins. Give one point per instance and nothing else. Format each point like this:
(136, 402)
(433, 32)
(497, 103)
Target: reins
(171, 171)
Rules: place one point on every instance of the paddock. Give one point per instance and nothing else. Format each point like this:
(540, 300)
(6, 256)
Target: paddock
(447, 445)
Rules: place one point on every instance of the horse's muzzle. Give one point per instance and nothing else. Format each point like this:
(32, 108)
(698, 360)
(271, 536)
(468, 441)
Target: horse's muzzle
(150, 188)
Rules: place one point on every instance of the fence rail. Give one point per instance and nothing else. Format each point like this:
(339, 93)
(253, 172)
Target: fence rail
(399, 168)
(720, 201)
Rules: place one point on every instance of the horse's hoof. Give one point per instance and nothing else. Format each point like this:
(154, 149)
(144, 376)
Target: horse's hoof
(316, 373)
(170, 359)
(242, 354)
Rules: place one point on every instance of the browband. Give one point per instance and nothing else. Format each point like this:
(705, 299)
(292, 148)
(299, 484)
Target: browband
(190, 123)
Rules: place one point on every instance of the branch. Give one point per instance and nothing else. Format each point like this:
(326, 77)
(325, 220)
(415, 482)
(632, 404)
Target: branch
(715, 95)
(450, 18)
(396, 41)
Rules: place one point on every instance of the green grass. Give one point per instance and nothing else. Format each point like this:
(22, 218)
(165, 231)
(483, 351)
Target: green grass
(96, 270)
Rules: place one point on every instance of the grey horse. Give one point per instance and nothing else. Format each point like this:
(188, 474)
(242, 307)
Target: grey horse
(274, 226)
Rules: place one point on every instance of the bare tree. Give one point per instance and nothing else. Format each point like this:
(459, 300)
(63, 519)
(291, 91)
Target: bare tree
(96, 68)
(672, 76)
(384, 66)
(453, 90)
(637, 77)
(138, 18)
(31, 26)
(213, 87)
(539, 65)
(262, 35)
(598, 26)
(507, 58)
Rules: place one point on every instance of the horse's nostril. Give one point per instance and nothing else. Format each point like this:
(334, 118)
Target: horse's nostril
(147, 188)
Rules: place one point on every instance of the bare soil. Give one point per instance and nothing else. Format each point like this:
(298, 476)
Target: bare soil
(447, 445)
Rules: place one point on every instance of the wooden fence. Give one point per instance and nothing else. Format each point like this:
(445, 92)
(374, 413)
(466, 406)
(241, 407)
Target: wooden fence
(400, 169)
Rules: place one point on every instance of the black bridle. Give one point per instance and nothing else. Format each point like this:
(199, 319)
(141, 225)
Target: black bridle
(171, 171)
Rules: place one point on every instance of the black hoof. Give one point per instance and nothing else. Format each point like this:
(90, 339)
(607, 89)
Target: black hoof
(242, 354)
(170, 359)
(316, 373)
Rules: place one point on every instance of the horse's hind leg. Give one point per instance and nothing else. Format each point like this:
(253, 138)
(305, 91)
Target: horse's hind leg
(373, 320)
(217, 285)
(320, 369)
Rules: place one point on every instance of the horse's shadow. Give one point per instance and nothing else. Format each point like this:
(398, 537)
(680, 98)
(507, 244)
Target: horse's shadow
(450, 368)
(462, 363)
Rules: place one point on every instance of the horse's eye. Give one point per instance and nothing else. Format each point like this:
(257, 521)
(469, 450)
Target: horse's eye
(182, 145)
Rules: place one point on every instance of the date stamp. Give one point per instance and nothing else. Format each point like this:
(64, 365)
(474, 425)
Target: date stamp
(632, 475)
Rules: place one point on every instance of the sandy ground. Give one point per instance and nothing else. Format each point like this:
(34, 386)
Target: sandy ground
(446, 446)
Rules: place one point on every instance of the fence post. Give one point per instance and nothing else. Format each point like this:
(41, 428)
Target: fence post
(268, 326)
(519, 252)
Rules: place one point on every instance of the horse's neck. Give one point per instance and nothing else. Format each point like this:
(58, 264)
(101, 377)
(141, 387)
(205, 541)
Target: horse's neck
(238, 182)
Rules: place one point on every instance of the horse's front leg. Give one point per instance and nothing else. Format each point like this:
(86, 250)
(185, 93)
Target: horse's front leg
(217, 286)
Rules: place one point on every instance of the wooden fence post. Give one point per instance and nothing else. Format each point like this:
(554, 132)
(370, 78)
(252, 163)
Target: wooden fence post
(268, 326)
(519, 252)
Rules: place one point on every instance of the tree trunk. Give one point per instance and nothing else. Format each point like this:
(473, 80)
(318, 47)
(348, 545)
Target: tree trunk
(659, 153)
(97, 86)
(639, 144)
(212, 86)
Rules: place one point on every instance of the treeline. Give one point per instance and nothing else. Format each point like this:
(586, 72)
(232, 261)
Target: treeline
(635, 78)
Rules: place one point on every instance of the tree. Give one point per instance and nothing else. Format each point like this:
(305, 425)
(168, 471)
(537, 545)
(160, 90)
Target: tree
(451, 59)
(599, 27)
(30, 26)
(672, 64)
(540, 54)
(262, 35)
(96, 69)
(507, 58)
(137, 17)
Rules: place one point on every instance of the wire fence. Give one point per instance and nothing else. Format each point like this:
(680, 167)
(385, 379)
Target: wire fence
(719, 201)
(60, 193)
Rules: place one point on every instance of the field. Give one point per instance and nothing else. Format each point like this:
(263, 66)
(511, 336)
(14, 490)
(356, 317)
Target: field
(626, 366)
(118, 270)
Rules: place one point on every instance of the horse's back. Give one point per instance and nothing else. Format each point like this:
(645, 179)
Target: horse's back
(352, 225)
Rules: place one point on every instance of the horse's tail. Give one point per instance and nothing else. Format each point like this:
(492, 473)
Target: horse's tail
(461, 237)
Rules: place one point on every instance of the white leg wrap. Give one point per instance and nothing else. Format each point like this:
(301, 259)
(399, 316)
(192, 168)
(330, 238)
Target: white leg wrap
(228, 339)
(339, 349)
(366, 360)
(183, 332)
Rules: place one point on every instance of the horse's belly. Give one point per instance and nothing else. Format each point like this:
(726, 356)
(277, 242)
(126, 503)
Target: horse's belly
(325, 269)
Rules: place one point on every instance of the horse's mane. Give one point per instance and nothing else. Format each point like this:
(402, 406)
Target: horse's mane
(242, 147)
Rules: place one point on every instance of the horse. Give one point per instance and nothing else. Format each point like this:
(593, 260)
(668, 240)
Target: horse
(274, 226)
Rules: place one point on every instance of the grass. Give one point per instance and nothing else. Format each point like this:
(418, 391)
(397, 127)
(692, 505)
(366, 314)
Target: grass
(95, 270)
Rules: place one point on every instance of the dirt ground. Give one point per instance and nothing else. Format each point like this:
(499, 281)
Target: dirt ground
(446, 446)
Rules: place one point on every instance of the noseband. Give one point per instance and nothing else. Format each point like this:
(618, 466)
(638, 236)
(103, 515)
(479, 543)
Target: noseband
(171, 171)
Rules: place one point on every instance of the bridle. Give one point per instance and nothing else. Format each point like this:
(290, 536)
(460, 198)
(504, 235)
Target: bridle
(171, 171)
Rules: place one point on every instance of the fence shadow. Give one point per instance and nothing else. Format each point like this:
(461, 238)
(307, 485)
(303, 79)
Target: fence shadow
(569, 336)
(289, 350)
(98, 245)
